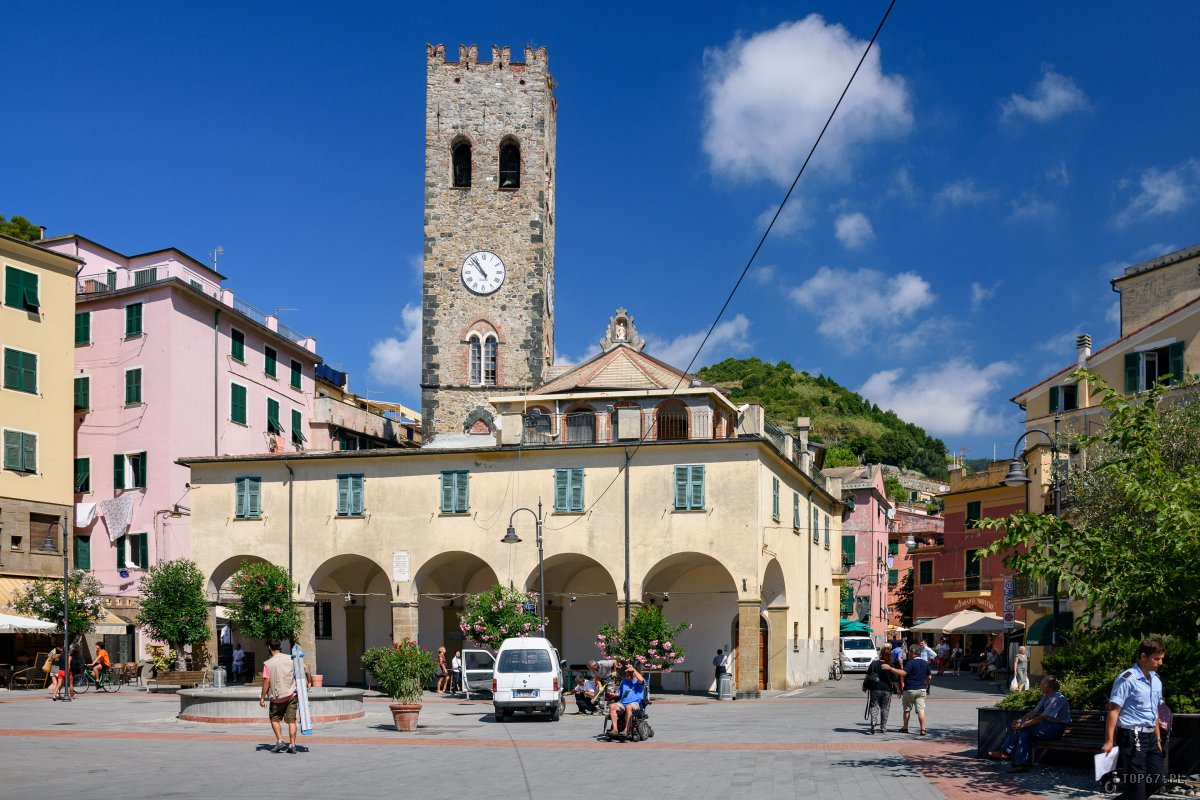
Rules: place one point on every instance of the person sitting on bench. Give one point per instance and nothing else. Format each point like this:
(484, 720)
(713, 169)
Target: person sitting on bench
(1047, 722)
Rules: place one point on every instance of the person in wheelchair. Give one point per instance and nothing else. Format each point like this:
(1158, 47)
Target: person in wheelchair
(632, 696)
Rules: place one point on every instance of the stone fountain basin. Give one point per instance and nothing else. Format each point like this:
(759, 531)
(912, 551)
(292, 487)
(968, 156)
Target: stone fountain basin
(239, 705)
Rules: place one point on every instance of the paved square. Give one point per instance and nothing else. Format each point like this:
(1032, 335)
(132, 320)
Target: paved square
(810, 742)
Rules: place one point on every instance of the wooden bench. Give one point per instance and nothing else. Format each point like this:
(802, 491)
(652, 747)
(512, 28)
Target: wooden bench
(185, 679)
(1083, 735)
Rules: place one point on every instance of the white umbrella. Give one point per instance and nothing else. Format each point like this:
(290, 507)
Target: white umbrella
(963, 622)
(10, 623)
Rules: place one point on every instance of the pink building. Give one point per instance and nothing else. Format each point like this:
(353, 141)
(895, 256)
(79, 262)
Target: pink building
(865, 545)
(168, 364)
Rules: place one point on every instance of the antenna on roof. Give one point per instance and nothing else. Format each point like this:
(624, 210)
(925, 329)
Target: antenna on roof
(219, 251)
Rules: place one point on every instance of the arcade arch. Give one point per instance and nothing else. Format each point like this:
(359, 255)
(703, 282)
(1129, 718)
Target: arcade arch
(351, 598)
(438, 589)
(581, 595)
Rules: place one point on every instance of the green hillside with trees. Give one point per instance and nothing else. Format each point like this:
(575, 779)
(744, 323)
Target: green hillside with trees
(854, 429)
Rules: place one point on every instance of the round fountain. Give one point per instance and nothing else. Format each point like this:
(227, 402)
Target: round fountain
(239, 705)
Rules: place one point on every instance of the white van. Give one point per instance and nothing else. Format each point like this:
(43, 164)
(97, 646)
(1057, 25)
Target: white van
(857, 653)
(528, 677)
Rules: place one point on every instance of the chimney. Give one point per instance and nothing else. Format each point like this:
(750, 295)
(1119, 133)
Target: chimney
(1084, 345)
(802, 427)
(42, 235)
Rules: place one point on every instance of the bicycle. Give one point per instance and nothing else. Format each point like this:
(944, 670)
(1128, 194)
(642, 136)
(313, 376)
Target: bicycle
(105, 683)
(835, 669)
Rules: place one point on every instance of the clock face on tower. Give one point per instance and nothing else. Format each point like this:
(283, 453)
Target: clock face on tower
(483, 272)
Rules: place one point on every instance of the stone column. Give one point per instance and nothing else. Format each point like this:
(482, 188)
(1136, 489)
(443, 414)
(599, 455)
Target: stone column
(306, 637)
(404, 621)
(211, 646)
(634, 605)
(747, 645)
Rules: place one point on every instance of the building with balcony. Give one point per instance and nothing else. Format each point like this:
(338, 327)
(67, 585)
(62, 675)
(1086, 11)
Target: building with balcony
(918, 523)
(654, 489)
(342, 420)
(950, 572)
(36, 318)
(865, 545)
(167, 363)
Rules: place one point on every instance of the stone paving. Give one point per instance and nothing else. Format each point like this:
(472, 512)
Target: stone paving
(810, 742)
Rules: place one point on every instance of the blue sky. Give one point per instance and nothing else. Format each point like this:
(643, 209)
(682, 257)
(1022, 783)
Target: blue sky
(991, 169)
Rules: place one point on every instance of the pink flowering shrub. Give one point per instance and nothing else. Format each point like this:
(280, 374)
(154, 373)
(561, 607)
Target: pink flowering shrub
(648, 641)
(491, 617)
(267, 609)
(42, 598)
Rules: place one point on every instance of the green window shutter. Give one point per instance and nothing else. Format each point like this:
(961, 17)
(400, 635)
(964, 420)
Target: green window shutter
(462, 495)
(111, 280)
(576, 491)
(925, 573)
(83, 475)
(1133, 366)
(12, 369)
(31, 292)
(118, 472)
(357, 500)
(447, 492)
(14, 287)
(29, 373)
(826, 530)
(237, 403)
(237, 347)
(83, 393)
(816, 525)
(775, 498)
(297, 428)
(974, 512)
(143, 546)
(893, 548)
(270, 359)
(681, 488)
(893, 577)
(140, 470)
(1054, 402)
(295, 374)
(83, 552)
(133, 319)
(561, 489)
(239, 503)
(29, 452)
(848, 554)
(254, 497)
(1175, 362)
(343, 495)
(795, 511)
(273, 425)
(83, 328)
(133, 386)
(696, 493)
(121, 552)
(12, 450)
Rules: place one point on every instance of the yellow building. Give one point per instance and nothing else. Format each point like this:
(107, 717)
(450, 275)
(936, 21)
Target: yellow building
(37, 320)
(729, 523)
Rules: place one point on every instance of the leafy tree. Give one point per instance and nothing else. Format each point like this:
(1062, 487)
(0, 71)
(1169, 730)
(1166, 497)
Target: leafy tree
(20, 228)
(847, 598)
(266, 609)
(893, 488)
(174, 609)
(42, 598)
(904, 600)
(499, 613)
(647, 640)
(840, 456)
(1129, 537)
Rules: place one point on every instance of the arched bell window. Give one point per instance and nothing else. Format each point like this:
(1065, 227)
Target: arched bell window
(581, 425)
(460, 164)
(510, 164)
(671, 421)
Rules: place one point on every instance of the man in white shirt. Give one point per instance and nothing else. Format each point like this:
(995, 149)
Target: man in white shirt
(239, 658)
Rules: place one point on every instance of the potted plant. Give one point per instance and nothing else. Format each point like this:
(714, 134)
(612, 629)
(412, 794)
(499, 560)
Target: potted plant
(402, 671)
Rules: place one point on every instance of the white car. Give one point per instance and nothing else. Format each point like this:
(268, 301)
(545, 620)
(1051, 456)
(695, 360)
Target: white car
(528, 677)
(857, 653)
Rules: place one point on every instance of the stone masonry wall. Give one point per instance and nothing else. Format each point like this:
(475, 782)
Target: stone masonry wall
(485, 103)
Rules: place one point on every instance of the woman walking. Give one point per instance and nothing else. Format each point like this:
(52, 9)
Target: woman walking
(880, 683)
(56, 670)
(443, 674)
(1020, 669)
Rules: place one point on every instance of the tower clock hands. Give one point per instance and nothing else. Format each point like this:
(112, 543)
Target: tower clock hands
(478, 268)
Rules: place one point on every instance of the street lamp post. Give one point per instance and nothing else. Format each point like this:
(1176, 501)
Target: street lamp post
(1016, 477)
(66, 659)
(510, 537)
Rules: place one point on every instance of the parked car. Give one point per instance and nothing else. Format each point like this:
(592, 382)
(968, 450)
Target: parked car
(528, 677)
(857, 653)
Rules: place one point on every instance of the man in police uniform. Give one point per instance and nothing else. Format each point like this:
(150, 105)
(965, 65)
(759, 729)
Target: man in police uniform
(1132, 722)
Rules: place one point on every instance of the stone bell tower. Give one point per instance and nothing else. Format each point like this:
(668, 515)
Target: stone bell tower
(488, 295)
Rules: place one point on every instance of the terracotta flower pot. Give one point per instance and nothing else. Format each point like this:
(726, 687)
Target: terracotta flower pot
(405, 715)
(318, 681)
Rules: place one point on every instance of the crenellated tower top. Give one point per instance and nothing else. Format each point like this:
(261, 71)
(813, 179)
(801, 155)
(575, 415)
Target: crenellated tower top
(468, 58)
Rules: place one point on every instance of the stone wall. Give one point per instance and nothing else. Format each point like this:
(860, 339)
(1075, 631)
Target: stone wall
(485, 104)
(1152, 289)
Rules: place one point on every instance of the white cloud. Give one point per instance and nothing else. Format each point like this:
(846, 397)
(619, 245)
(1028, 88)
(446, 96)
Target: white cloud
(562, 360)
(397, 361)
(1113, 315)
(1052, 97)
(1061, 344)
(1161, 192)
(853, 305)
(980, 294)
(768, 96)
(764, 276)
(794, 217)
(900, 184)
(728, 338)
(961, 193)
(926, 334)
(1058, 175)
(949, 400)
(1029, 207)
(854, 231)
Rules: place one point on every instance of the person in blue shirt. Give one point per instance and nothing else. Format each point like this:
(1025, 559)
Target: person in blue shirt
(897, 656)
(917, 677)
(1132, 722)
(1046, 722)
(632, 692)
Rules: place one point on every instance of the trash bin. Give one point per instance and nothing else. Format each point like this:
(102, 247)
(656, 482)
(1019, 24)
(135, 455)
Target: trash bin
(725, 686)
(219, 678)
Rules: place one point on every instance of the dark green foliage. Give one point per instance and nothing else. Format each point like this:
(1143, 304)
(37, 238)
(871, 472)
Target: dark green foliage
(893, 489)
(173, 607)
(842, 419)
(20, 228)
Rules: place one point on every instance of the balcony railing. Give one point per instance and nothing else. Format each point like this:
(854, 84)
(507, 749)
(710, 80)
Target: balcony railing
(1026, 587)
(971, 583)
(600, 427)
